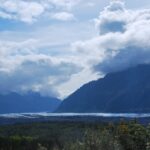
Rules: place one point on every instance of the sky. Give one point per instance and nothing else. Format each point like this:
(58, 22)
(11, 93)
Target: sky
(55, 46)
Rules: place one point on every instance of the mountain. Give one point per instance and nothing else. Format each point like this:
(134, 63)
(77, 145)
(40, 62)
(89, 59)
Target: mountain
(30, 102)
(118, 92)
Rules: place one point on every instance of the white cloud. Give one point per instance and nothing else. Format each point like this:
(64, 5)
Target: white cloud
(64, 4)
(123, 41)
(52, 43)
(30, 11)
(26, 11)
(63, 16)
(23, 69)
(113, 18)
(39, 64)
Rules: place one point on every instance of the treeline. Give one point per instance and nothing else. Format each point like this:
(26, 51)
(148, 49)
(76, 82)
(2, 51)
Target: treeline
(75, 136)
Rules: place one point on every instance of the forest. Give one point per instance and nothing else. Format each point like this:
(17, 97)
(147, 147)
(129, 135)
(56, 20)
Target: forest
(123, 135)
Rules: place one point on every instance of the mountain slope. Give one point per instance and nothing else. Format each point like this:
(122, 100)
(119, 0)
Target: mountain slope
(124, 91)
(30, 102)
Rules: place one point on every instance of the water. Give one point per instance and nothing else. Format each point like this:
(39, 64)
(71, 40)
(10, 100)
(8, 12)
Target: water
(45, 114)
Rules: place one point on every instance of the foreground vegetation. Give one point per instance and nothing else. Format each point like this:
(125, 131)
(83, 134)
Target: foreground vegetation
(75, 136)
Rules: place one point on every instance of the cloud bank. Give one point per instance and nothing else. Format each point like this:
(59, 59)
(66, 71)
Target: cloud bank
(23, 69)
(123, 39)
(35, 64)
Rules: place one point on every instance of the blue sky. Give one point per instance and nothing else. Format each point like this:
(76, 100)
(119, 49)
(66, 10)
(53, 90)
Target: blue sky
(55, 46)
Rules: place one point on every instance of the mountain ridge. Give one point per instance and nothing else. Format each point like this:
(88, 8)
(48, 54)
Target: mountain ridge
(118, 92)
(29, 102)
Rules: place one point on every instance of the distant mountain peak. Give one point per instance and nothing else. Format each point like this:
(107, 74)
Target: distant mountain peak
(27, 102)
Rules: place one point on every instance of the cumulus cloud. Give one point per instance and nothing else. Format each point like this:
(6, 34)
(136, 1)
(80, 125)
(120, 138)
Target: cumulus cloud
(113, 18)
(123, 40)
(26, 11)
(30, 11)
(23, 69)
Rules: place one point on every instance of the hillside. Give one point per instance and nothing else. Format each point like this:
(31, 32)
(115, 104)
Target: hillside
(123, 91)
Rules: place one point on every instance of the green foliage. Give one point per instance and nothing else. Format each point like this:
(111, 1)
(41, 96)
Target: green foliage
(75, 136)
